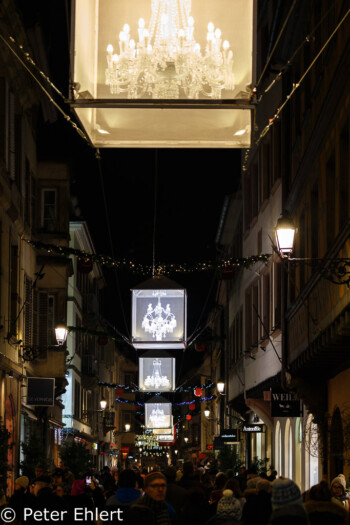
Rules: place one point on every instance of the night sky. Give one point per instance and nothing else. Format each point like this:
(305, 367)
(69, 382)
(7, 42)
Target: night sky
(190, 188)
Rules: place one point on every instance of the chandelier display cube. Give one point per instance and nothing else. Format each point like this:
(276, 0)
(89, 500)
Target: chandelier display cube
(156, 372)
(166, 431)
(159, 312)
(158, 413)
(164, 73)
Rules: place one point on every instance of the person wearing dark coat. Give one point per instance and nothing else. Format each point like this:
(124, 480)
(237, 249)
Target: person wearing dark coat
(127, 493)
(188, 479)
(321, 510)
(175, 494)
(21, 498)
(196, 510)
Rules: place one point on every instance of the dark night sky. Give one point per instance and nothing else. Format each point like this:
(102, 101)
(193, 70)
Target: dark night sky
(191, 186)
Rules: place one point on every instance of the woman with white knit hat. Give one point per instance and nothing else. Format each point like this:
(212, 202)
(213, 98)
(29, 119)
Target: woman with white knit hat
(339, 493)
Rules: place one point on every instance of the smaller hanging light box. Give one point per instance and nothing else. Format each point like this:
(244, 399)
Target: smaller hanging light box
(166, 431)
(158, 413)
(156, 372)
(167, 438)
(159, 314)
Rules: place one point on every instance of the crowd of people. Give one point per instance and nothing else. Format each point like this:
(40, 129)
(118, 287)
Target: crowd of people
(185, 496)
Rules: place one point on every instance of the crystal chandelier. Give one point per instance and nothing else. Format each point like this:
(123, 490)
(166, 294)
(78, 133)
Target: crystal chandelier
(156, 379)
(167, 62)
(159, 321)
(157, 417)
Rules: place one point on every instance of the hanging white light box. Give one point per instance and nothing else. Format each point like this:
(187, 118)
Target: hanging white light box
(156, 372)
(158, 413)
(159, 312)
(164, 73)
(167, 438)
(167, 431)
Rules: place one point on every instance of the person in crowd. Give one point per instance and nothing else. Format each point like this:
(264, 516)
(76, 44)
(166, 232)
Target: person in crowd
(45, 499)
(258, 508)
(228, 512)
(206, 484)
(3, 498)
(57, 477)
(80, 499)
(188, 479)
(287, 504)
(339, 493)
(152, 506)
(95, 491)
(272, 476)
(21, 497)
(107, 480)
(321, 510)
(218, 487)
(196, 508)
(68, 476)
(175, 494)
(233, 484)
(127, 493)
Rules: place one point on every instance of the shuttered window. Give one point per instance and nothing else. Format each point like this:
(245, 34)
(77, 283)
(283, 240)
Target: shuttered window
(28, 311)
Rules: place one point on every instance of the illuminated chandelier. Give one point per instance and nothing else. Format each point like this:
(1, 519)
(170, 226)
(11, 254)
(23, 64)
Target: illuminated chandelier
(159, 321)
(157, 417)
(156, 379)
(167, 62)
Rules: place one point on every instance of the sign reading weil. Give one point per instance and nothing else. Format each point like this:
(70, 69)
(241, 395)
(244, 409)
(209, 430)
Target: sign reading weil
(252, 428)
(284, 404)
(41, 391)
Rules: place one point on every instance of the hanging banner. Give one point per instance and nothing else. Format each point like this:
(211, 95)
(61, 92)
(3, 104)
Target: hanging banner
(41, 391)
(284, 404)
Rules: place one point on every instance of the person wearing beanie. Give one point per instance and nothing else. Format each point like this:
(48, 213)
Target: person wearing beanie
(228, 511)
(21, 497)
(321, 510)
(257, 509)
(339, 493)
(287, 504)
(154, 501)
(22, 483)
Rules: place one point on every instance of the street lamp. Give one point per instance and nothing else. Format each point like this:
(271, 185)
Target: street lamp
(61, 334)
(220, 387)
(186, 439)
(127, 427)
(103, 403)
(207, 413)
(285, 231)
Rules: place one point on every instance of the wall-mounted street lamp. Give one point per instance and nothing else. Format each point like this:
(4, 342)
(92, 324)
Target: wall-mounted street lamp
(127, 427)
(31, 352)
(285, 231)
(103, 404)
(220, 387)
(61, 335)
(186, 439)
(336, 270)
(207, 413)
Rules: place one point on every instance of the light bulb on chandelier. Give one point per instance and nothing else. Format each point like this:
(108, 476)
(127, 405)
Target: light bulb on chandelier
(167, 62)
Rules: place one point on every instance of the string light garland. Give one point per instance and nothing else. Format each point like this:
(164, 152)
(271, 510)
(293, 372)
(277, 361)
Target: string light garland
(133, 389)
(163, 269)
(183, 403)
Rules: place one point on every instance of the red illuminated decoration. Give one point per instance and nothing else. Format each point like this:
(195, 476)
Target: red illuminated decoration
(102, 340)
(198, 392)
(192, 406)
(188, 417)
(119, 391)
(85, 265)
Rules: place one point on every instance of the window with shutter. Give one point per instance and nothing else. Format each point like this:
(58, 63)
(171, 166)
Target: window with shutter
(48, 210)
(3, 119)
(12, 142)
(14, 291)
(28, 311)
